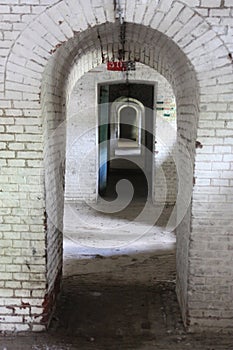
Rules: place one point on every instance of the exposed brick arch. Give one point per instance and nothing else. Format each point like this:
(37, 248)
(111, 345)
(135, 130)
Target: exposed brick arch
(47, 57)
(78, 56)
(60, 21)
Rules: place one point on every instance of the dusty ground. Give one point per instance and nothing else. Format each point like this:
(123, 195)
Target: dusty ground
(117, 296)
(95, 313)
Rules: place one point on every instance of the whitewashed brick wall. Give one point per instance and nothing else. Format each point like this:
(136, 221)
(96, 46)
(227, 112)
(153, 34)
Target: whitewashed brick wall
(193, 56)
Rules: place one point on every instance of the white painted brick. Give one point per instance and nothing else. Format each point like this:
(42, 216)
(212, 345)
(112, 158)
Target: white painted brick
(208, 175)
(219, 107)
(28, 138)
(229, 124)
(225, 98)
(169, 18)
(203, 166)
(4, 9)
(222, 149)
(59, 19)
(217, 198)
(6, 275)
(219, 166)
(157, 19)
(174, 28)
(202, 11)
(14, 129)
(226, 190)
(227, 175)
(22, 9)
(5, 104)
(150, 12)
(16, 162)
(219, 12)
(38, 328)
(13, 319)
(225, 116)
(15, 146)
(14, 113)
(188, 27)
(228, 158)
(228, 140)
(7, 154)
(219, 182)
(201, 40)
(2, 145)
(224, 132)
(100, 14)
(212, 3)
(208, 56)
(38, 9)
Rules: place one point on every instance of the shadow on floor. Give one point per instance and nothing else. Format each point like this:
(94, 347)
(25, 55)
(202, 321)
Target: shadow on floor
(95, 315)
(137, 178)
(98, 311)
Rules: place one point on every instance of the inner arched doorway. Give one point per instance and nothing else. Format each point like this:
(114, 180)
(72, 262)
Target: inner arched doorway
(129, 141)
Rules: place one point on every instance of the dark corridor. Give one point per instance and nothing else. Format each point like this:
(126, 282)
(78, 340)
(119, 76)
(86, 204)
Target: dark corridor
(139, 176)
(135, 176)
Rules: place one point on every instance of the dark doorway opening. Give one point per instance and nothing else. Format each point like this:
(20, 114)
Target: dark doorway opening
(128, 124)
(135, 176)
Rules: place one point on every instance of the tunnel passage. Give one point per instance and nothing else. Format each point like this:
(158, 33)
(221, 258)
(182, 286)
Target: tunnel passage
(170, 62)
(63, 66)
(46, 51)
(131, 173)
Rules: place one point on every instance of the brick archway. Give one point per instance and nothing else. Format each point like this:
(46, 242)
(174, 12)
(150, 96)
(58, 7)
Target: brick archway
(43, 64)
(168, 60)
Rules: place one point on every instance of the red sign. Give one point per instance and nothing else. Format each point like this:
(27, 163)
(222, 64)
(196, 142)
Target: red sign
(121, 66)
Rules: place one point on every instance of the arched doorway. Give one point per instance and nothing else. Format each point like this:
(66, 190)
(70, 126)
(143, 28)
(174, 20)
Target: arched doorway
(128, 125)
(153, 48)
(129, 139)
(51, 47)
(186, 147)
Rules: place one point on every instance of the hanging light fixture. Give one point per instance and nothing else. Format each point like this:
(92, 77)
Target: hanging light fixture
(121, 51)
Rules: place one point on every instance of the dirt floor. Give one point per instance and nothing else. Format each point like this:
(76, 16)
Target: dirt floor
(117, 296)
(96, 313)
(113, 309)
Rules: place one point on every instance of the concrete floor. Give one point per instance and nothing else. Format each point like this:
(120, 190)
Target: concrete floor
(118, 289)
